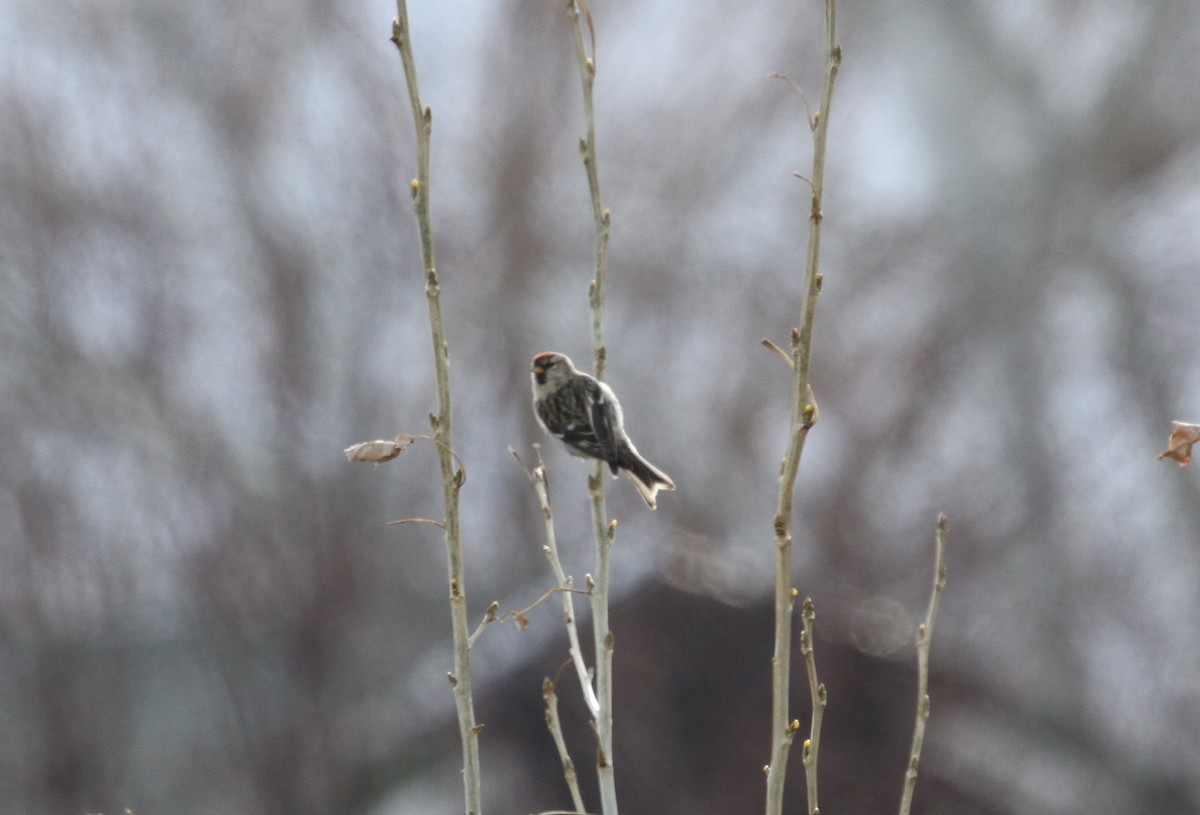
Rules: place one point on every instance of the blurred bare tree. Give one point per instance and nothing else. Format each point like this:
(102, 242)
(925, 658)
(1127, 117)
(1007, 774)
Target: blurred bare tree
(208, 288)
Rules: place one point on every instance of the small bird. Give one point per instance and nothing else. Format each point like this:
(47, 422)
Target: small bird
(585, 415)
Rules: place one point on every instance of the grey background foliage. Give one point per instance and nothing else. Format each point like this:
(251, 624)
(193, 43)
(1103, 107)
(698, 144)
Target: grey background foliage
(209, 285)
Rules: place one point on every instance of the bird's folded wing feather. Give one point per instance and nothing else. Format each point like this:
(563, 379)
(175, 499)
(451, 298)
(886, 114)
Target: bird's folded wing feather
(601, 413)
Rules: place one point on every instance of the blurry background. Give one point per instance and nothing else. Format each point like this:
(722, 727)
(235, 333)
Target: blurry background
(210, 285)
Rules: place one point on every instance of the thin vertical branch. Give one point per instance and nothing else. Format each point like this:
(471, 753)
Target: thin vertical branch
(555, 726)
(812, 745)
(452, 475)
(603, 531)
(803, 417)
(538, 478)
(598, 585)
(587, 149)
(924, 634)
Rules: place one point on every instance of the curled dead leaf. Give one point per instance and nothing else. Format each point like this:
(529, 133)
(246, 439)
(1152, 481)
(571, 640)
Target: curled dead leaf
(379, 450)
(1179, 446)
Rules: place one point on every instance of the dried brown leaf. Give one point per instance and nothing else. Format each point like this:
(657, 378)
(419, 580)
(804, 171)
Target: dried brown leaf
(1179, 446)
(379, 450)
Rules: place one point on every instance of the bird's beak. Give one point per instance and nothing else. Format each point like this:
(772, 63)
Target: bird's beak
(539, 370)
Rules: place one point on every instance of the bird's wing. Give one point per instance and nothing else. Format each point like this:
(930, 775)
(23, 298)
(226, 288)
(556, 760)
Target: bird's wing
(601, 408)
(567, 414)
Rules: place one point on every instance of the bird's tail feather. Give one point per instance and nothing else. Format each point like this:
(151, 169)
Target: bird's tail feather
(647, 478)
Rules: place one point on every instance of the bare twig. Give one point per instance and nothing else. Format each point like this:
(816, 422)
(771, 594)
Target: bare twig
(808, 615)
(924, 634)
(587, 149)
(452, 477)
(438, 524)
(591, 25)
(804, 414)
(538, 478)
(812, 124)
(783, 354)
(603, 531)
(555, 726)
(521, 617)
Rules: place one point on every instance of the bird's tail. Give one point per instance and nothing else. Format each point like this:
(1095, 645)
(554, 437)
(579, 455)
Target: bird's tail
(647, 478)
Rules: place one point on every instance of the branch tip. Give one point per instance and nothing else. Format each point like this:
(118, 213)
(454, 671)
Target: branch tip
(782, 354)
(429, 521)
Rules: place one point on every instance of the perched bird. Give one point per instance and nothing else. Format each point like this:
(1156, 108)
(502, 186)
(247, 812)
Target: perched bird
(585, 415)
